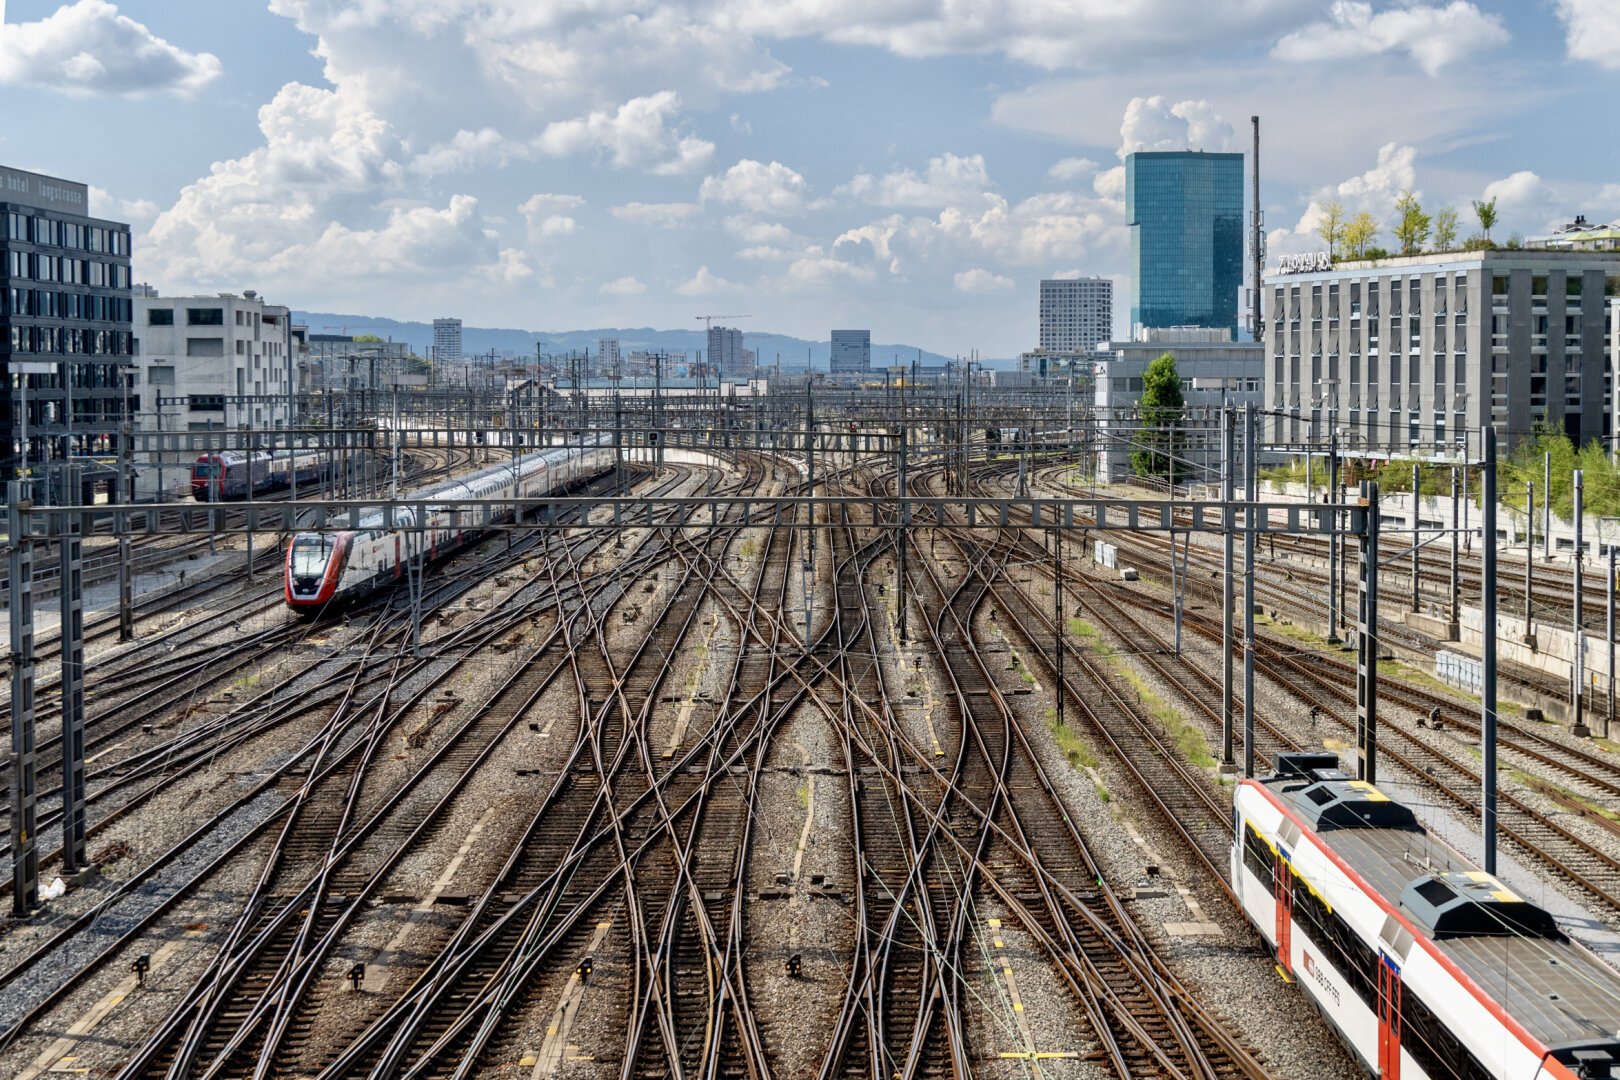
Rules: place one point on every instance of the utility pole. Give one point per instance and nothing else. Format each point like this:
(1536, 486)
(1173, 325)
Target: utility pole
(1416, 535)
(1057, 609)
(1333, 534)
(1251, 487)
(1487, 714)
(1529, 555)
(1229, 523)
(1257, 238)
(1577, 669)
(20, 575)
(1454, 623)
(1608, 720)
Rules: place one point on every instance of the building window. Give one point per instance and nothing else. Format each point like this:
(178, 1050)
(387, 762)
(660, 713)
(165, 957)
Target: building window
(160, 317)
(205, 316)
(211, 346)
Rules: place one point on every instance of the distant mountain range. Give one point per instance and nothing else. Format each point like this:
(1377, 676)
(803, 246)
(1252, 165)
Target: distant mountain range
(794, 352)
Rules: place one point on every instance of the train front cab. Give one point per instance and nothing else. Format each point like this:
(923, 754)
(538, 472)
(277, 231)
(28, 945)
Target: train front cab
(207, 473)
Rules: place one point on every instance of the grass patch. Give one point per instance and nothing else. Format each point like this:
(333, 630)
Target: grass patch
(803, 795)
(1189, 738)
(1082, 629)
(749, 548)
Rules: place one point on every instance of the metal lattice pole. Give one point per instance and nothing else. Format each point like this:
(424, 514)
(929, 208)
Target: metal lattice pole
(1367, 639)
(70, 544)
(20, 570)
(1487, 707)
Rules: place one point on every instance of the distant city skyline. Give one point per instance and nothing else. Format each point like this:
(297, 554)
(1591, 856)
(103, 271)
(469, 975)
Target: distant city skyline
(917, 172)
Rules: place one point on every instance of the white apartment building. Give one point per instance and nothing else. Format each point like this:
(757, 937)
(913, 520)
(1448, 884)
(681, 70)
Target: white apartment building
(607, 355)
(447, 340)
(205, 363)
(1077, 314)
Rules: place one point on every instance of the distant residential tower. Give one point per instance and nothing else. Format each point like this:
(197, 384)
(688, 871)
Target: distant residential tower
(447, 340)
(851, 351)
(1077, 314)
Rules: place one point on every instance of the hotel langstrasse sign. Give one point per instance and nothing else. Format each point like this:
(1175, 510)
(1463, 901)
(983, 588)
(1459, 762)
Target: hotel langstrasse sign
(45, 192)
(1312, 262)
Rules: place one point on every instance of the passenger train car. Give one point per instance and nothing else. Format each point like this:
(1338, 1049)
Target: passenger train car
(1427, 967)
(333, 567)
(230, 475)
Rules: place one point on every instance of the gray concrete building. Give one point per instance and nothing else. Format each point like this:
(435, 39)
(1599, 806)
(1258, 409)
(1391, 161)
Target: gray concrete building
(851, 352)
(1213, 369)
(727, 357)
(1411, 353)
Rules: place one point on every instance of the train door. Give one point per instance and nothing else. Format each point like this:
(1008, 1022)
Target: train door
(1282, 890)
(1389, 1019)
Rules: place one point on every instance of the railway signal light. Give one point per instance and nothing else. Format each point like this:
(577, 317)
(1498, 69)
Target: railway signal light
(586, 966)
(793, 965)
(140, 966)
(357, 975)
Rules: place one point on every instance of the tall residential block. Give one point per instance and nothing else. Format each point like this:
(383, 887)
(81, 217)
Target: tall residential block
(727, 357)
(1077, 314)
(607, 355)
(1185, 213)
(1417, 354)
(65, 333)
(851, 351)
(447, 340)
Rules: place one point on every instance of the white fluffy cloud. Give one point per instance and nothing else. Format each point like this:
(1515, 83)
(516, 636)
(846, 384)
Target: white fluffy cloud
(1432, 35)
(771, 190)
(948, 179)
(1072, 168)
(88, 48)
(325, 200)
(1152, 124)
(980, 280)
(625, 286)
(1592, 30)
(660, 215)
(704, 283)
(635, 135)
(1374, 191)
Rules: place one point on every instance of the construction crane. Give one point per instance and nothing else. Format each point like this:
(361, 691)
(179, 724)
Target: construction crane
(708, 320)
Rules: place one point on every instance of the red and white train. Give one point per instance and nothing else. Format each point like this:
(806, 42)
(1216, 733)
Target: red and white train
(230, 475)
(325, 568)
(1427, 967)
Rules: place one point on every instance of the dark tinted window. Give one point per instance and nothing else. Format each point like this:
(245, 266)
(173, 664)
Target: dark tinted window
(160, 317)
(205, 316)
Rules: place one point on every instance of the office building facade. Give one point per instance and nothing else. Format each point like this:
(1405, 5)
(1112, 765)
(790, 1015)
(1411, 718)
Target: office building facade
(1077, 314)
(447, 340)
(1185, 213)
(1410, 353)
(607, 356)
(65, 333)
(726, 356)
(851, 352)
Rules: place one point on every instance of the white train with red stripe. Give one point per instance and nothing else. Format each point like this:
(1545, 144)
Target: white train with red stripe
(1427, 967)
(325, 568)
(232, 475)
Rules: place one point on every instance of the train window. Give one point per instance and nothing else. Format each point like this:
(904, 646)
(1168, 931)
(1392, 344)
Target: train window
(310, 554)
(204, 469)
(1257, 857)
(1433, 1045)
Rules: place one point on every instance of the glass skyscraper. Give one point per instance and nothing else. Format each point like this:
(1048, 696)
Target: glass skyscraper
(1185, 211)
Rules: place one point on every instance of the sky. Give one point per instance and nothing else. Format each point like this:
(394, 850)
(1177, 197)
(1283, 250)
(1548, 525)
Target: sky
(913, 167)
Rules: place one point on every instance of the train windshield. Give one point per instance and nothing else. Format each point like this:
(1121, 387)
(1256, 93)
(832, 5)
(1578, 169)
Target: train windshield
(310, 554)
(204, 469)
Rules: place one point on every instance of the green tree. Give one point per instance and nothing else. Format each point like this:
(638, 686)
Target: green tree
(1160, 410)
(1485, 211)
(1411, 224)
(1331, 227)
(1359, 232)
(369, 339)
(1445, 229)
